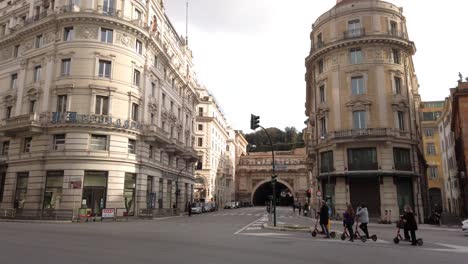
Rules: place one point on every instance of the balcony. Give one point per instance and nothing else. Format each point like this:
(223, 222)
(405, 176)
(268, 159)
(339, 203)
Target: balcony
(190, 154)
(35, 18)
(175, 147)
(156, 134)
(363, 166)
(23, 123)
(398, 34)
(112, 12)
(352, 133)
(403, 167)
(354, 33)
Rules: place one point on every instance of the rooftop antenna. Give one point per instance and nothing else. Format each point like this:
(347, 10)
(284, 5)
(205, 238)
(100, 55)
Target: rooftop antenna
(186, 22)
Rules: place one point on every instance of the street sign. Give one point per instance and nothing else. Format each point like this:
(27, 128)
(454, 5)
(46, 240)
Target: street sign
(108, 213)
(319, 193)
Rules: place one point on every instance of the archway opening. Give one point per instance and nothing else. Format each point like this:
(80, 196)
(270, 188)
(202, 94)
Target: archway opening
(263, 194)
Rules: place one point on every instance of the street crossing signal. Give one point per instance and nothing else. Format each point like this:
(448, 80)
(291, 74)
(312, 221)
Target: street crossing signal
(254, 122)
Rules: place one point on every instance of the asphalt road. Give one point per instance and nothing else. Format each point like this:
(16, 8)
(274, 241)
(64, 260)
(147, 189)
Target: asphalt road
(229, 236)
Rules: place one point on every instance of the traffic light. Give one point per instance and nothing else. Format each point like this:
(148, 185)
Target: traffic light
(254, 122)
(273, 178)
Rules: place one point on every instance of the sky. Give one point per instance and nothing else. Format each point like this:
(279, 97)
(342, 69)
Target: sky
(250, 53)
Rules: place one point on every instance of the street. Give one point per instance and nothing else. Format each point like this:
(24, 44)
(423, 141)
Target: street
(225, 236)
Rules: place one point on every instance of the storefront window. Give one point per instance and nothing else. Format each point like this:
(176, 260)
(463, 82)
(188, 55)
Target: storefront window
(169, 193)
(150, 195)
(94, 191)
(129, 193)
(160, 194)
(21, 189)
(53, 190)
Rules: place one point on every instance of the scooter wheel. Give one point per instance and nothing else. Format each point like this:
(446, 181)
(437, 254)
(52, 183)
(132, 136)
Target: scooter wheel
(343, 237)
(420, 242)
(374, 238)
(314, 234)
(396, 240)
(363, 239)
(332, 234)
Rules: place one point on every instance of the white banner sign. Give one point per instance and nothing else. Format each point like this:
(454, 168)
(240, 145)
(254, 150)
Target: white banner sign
(108, 213)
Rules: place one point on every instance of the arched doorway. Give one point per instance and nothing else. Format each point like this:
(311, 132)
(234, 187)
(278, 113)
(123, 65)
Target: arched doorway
(264, 192)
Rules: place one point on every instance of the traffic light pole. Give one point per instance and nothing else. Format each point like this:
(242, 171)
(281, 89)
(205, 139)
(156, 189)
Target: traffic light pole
(273, 176)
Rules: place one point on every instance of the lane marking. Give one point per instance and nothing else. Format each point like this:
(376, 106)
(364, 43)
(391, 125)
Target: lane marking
(264, 234)
(247, 226)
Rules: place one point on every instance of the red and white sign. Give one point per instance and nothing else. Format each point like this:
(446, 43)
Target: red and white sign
(319, 193)
(108, 213)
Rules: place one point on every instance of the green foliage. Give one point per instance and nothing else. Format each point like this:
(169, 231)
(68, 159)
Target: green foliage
(285, 140)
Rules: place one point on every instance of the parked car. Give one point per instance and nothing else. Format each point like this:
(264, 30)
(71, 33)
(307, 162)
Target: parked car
(210, 207)
(465, 226)
(238, 205)
(228, 205)
(197, 208)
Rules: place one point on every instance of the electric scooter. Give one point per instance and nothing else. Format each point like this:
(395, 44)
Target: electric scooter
(399, 238)
(347, 235)
(363, 238)
(316, 231)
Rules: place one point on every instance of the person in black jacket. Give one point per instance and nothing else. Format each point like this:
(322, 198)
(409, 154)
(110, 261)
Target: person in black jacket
(410, 223)
(324, 217)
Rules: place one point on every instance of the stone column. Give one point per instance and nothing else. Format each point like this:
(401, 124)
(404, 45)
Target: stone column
(49, 76)
(20, 83)
(389, 198)
(141, 191)
(340, 196)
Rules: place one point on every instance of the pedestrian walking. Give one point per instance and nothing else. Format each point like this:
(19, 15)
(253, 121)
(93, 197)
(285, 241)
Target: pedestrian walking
(363, 217)
(306, 209)
(189, 205)
(348, 221)
(410, 224)
(299, 207)
(324, 217)
(294, 207)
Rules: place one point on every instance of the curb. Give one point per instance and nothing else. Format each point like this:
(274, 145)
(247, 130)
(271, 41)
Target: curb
(34, 221)
(300, 229)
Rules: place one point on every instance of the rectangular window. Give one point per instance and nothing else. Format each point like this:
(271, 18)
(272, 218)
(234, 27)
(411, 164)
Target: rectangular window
(5, 148)
(65, 67)
(155, 61)
(59, 142)
(397, 85)
(432, 171)
(429, 132)
(199, 165)
(136, 78)
(131, 146)
(134, 112)
(320, 66)
(355, 56)
(359, 119)
(354, 28)
(8, 112)
(401, 120)
(129, 193)
(169, 193)
(32, 106)
(150, 152)
(396, 56)
(326, 162)
(27, 142)
(357, 85)
(53, 189)
(200, 127)
(2, 185)
(160, 193)
(98, 142)
(21, 189)
(431, 116)
(107, 35)
(163, 100)
(430, 149)
(139, 47)
(362, 159)
(172, 107)
(153, 89)
(393, 28)
(200, 111)
(102, 105)
(152, 119)
(322, 93)
(37, 73)
(68, 34)
(323, 127)
(61, 103)
(138, 14)
(16, 51)
(108, 7)
(200, 142)
(105, 68)
(14, 79)
(401, 158)
(39, 41)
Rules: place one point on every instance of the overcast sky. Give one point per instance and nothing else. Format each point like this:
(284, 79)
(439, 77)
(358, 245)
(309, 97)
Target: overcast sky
(250, 53)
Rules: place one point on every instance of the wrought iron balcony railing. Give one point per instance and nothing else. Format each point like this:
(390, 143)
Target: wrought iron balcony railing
(362, 166)
(354, 33)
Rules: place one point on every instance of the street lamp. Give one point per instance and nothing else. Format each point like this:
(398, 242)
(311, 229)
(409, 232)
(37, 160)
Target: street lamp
(177, 187)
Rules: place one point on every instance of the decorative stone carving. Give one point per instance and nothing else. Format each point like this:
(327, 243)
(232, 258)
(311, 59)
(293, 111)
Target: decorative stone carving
(126, 40)
(359, 104)
(87, 32)
(27, 46)
(49, 38)
(400, 105)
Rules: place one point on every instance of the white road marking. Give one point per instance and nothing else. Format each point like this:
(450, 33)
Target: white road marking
(451, 248)
(265, 234)
(242, 214)
(254, 228)
(249, 214)
(247, 226)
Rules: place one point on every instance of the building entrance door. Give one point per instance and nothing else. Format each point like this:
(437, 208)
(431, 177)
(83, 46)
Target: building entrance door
(95, 199)
(366, 191)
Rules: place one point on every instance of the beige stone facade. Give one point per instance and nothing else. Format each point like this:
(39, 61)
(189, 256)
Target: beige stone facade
(97, 106)
(362, 100)
(254, 171)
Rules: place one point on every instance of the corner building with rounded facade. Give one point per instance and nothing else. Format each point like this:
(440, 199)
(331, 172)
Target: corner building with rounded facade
(97, 106)
(362, 101)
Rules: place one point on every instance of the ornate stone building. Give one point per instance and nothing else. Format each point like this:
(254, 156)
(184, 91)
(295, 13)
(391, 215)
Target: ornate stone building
(363, 133)
(253, 177)
(97, 106)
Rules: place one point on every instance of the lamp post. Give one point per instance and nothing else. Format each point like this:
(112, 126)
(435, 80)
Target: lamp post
(177, 187)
